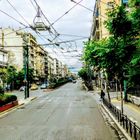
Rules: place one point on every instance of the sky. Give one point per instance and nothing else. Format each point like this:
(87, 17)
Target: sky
(76, 24)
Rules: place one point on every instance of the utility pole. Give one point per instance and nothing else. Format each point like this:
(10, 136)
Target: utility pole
(3, 55)
(26, 64)
(2, 39)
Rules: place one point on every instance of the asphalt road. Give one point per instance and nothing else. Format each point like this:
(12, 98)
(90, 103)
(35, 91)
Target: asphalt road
(67, 113)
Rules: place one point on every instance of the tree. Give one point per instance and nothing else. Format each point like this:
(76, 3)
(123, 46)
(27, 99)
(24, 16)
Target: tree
(87, 76)
(12, 76)
(20, 77)
(101, 55)
(135, 14)
(3, 76)
(121, 27)
(134, 69)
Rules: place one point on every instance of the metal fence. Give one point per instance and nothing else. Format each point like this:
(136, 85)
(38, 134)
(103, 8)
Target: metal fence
(131, 128)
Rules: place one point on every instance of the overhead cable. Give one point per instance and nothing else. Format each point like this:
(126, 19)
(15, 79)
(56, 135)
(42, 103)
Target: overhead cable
(46, 17)
(14, 18)
(82, 6)
(18, 12)
(66, 12)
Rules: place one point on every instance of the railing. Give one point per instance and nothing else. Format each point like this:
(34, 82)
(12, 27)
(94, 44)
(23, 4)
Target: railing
(131, 128)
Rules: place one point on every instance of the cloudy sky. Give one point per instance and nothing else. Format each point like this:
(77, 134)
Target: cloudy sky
(73, 26)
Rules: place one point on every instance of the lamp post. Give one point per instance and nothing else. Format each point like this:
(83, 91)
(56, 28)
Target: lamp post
(26, 65)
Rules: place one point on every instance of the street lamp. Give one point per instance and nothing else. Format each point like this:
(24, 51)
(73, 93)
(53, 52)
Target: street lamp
(26, 64)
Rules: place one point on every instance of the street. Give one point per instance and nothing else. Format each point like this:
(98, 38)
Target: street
(67, 113)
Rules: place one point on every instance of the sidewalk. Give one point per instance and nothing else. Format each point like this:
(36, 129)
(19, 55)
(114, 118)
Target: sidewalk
(21, 99)
(130, 109)
(32, 94)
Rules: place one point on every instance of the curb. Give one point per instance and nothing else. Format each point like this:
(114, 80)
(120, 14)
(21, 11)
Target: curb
(2, 114)
(33, 98)
(116, 122)
(10, 110)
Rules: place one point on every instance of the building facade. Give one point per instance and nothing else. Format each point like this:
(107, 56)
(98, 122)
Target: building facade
(40, 63)
(98, 30)
(50, 67)
(3, 58)
(15, 44)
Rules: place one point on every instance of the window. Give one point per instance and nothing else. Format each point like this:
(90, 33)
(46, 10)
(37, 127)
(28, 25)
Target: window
(97, 13)
(110, 5)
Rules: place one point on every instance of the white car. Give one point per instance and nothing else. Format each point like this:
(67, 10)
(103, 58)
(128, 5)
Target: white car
(44, 86)
(22, 88)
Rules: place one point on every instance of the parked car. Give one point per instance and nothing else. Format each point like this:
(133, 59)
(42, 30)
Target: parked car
(70, 79)
(34, 87)
(44, 86)
(73, 81)
(22, 88)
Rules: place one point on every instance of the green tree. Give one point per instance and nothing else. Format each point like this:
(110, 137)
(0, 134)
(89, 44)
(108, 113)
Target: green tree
(11, 76)
(3, 76)
(86, 74)
(134, 69)
(20, 77)
(122, 29)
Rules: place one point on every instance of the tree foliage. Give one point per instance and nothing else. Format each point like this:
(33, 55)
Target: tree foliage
(86, 74)
(3, 74)
(118, 23)
(119, 53)
(14, 78)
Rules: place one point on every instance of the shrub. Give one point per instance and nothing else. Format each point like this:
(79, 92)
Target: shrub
(1, 90)
(58, 83)
(5, 98)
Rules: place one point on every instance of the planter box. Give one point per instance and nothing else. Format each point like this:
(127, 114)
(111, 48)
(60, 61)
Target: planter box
(8, 106)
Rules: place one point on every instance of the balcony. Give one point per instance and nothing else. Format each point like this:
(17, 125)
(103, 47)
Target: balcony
(3, 64)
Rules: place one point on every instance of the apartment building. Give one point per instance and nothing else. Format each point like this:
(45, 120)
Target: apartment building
(3, 58)
(98, 30)
(55, 66)
(14, 43)
(60, 70)
(40, 63)
(66, 71)
(101, 8)
(46, 65)
(50, 66)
